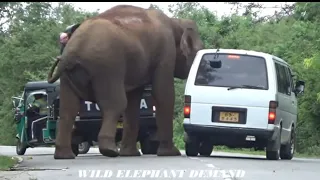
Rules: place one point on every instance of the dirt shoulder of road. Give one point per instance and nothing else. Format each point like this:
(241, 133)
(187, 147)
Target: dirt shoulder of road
(7, 162)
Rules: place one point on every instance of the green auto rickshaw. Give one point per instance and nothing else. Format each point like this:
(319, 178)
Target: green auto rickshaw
(34, 129)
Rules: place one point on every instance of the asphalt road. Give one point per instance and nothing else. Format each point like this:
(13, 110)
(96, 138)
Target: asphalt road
(38, 164)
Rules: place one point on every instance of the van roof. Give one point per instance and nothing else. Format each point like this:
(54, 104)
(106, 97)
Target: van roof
(242, 51)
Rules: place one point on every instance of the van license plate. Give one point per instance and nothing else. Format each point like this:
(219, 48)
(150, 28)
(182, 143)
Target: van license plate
(229, 117)
(120, 125)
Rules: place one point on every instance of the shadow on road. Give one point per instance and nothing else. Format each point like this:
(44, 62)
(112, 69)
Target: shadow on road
(296, 160)
(235, 157)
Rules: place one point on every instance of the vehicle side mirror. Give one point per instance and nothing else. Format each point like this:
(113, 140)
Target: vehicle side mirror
(215, 63)
(15, 102)
(299, 88)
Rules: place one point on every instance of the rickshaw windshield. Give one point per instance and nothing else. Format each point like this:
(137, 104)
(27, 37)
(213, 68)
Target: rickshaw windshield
(18, 101)
(30, 95)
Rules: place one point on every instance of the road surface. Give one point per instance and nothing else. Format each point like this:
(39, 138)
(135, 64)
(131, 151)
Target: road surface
(38, 164)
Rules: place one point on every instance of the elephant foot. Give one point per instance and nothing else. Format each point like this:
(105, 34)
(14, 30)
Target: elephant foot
(63, 153)
(108, 147)
(109, 152)
(165, 150)
(127, 151)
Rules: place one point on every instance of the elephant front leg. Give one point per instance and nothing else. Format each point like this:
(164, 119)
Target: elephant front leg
(131, 124)
(69, 107)
(163, 92)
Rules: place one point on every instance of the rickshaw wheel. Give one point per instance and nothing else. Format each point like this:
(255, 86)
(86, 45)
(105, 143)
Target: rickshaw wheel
(75, 149)
(20, 148)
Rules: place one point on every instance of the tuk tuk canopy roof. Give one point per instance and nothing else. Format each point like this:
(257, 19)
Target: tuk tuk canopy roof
(35, 85)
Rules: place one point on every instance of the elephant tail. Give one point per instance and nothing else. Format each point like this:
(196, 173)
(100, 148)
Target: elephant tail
(61, 67)
(54, 77)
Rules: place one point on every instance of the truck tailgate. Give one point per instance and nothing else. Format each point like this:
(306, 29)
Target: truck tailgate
(89, 110)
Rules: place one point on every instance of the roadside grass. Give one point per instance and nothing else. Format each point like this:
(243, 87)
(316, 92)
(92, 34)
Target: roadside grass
(262, 153)
(7, 162)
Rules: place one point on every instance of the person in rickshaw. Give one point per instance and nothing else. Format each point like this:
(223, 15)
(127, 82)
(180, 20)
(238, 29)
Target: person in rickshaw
(39, 109)
(66, 35)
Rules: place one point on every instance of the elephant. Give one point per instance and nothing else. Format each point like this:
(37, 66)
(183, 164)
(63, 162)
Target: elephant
(108, 60)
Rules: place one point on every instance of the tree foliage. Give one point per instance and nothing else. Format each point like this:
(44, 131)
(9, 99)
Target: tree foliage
(29, 32)
(29, 40)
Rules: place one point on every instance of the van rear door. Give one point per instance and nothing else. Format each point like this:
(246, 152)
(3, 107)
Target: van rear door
(240, 86)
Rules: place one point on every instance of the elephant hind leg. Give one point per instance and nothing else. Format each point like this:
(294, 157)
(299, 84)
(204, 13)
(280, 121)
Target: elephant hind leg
(111, 98)
(131, 124)
(69, 107)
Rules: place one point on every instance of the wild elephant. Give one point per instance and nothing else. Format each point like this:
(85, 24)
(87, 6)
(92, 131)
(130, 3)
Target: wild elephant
(109, 59)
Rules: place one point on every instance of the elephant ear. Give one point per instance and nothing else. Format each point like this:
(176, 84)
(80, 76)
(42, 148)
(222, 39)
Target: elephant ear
(187, 43)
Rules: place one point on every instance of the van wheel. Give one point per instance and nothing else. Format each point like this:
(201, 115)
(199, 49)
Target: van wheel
(20, 148)
(275, 154)
(75, 149)
(205, 149)
(192, 146)
(287, 151)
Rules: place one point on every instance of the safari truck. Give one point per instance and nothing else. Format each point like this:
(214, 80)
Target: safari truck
(87, 123)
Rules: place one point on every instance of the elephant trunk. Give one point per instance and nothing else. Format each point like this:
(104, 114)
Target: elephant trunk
(53, 78)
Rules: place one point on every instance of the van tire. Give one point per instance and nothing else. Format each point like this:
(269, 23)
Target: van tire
(192, 146)
(20, 148)
(205, 149)
(274, 155)
(191, 149)
(287, 151)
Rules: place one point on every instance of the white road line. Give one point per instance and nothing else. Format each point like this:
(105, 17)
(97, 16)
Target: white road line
(193, 158)
(210, 165)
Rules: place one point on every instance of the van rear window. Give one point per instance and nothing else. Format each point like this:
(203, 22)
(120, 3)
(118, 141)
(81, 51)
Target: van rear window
(234, 71)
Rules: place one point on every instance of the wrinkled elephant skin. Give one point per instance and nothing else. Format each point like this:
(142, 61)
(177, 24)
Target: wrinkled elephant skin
(109, 59)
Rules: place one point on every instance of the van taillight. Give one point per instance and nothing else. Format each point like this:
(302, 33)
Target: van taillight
(272, 111)
(187, 106)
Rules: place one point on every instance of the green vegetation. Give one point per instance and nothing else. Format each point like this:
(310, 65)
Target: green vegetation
(7, 162)
(28, 40)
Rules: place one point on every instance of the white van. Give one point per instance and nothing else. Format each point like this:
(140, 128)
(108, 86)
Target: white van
(240, 99)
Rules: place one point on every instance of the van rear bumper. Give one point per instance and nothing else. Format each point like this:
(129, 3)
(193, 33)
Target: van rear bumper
(230, 136)
(215, 130)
